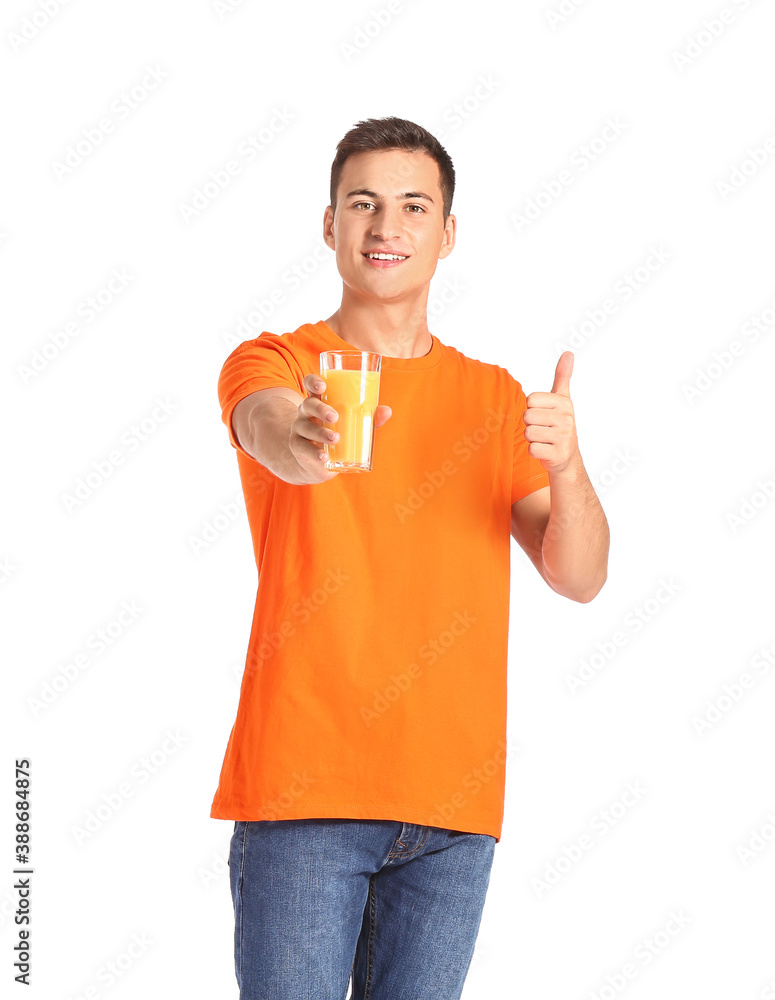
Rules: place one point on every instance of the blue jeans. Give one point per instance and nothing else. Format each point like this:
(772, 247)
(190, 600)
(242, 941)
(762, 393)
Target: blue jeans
(395, 905)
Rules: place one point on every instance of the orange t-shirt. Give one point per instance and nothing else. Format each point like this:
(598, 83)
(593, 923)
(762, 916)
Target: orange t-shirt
(375, 680)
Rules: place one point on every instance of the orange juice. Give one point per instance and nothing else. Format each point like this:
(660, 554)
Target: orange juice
(354, 395)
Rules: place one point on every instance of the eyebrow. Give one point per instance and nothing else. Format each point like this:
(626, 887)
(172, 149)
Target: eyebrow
(406, 194)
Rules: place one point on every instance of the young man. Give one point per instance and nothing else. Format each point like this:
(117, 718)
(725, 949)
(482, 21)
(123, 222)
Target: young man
(365, 772)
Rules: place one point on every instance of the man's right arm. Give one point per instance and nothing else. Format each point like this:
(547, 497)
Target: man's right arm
(262, 425)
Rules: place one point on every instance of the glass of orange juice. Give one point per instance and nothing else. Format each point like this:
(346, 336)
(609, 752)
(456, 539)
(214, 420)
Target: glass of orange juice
(352, 389)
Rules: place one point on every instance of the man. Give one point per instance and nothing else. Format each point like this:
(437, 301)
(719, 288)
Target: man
(365, 772)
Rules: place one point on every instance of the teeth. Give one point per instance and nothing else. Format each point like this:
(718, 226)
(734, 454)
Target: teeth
(385, 256)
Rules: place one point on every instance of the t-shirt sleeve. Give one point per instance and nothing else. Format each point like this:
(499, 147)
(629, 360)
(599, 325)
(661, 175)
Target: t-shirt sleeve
(529, 474)
(256, 364)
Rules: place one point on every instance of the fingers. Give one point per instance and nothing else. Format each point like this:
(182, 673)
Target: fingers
(381, 415)
(313, 413)
(313, 407)
(308, 433)
(308, 436)
(311, 383)
(539, 415)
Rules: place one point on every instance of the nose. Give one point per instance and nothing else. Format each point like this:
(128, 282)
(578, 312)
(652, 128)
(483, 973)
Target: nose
(386, 223)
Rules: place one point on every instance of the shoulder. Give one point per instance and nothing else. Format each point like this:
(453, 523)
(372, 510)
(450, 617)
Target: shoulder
(496, 377)
(300, 336)
(302, 340)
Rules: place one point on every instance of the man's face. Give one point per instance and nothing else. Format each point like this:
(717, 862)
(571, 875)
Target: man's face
(389, 201)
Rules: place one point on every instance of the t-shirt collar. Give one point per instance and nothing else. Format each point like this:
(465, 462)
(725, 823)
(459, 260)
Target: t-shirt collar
(429, 360)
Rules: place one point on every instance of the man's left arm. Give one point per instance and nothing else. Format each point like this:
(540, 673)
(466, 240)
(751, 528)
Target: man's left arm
(562, 527)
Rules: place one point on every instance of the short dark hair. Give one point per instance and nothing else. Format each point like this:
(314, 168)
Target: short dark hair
(394, 133)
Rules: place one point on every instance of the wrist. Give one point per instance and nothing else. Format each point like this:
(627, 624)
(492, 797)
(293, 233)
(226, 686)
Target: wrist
(572, 471)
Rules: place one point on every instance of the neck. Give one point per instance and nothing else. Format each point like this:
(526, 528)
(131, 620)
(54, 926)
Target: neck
(395, 329)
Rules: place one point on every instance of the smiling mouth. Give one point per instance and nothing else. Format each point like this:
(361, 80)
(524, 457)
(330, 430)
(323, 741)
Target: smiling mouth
(386, 256)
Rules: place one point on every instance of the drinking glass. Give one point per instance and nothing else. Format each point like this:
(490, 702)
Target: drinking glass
(352, 389)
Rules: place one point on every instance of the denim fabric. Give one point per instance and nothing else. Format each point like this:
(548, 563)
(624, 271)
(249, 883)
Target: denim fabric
(395, 905)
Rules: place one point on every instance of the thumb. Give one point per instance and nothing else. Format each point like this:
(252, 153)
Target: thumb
(382, 414)
(562, 374)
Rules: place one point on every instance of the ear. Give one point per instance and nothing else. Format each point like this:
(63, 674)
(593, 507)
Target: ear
(448, 241)
(328, 227)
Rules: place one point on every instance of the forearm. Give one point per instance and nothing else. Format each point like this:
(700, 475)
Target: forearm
(268, 438)
(576, 541)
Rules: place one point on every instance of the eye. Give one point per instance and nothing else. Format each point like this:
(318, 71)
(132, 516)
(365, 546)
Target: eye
(416, 206)
(359, 203)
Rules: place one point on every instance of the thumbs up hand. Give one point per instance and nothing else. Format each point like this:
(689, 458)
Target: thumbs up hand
(550, 426)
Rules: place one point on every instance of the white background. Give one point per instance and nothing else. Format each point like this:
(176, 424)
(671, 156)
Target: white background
(675, 431)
